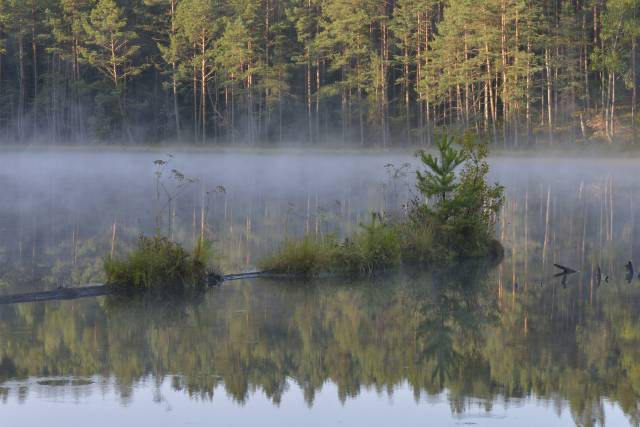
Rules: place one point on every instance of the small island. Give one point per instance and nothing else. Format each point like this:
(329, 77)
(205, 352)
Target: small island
(452, 218)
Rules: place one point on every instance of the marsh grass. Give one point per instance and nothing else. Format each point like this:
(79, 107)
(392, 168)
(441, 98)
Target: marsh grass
(375, 247)
(307, 256)
(159, 263)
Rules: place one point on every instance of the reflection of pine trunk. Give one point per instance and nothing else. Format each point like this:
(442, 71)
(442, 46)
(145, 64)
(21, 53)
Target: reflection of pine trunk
(526, 239)
(514, 207)
(546, 231)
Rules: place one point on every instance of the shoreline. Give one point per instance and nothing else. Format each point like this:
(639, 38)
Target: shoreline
(562, 150)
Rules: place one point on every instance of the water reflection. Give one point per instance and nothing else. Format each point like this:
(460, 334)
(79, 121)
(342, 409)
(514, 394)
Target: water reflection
(473, 336)
(434, 332)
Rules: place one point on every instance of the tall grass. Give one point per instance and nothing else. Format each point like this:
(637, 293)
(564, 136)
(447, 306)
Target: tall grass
(376, 247)
(158, 262)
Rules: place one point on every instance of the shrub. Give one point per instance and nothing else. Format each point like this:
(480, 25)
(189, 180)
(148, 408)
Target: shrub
(157, 262)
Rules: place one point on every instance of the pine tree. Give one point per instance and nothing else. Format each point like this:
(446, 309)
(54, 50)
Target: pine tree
(197, 22)
(110, 48)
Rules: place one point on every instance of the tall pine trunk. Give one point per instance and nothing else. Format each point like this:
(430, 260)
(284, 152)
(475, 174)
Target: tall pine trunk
(22, 86)
(34, 53)
(547, 65)
(634, 82)
(174, 78)
(203, 87)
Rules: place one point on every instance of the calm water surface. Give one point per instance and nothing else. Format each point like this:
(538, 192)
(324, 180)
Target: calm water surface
(475, 344)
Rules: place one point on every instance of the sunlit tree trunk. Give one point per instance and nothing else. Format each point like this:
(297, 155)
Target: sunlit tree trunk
(34, 64)
(547, 65)
(203, 86)
(174, 74)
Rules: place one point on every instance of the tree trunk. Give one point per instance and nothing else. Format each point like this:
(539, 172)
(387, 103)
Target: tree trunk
(585, 65)
(34, 52)
(547, 64)
(174, 71)
(503, 55)
(22, 84)
(203, 87)
(308, 87)
(195, 95)
(613, 103)
(317, 126)
(407, 108)
(634, 82)
(359, 93)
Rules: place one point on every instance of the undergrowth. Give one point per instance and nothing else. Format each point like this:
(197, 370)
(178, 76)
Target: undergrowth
(159, 263)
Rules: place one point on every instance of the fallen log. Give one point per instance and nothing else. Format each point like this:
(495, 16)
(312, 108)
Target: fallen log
(101, 290)
(58, 294)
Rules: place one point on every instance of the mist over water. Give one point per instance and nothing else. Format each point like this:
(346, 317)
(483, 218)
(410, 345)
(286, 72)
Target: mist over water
(469, 345)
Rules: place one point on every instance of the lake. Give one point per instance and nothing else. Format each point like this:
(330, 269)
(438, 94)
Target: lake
(470, 344)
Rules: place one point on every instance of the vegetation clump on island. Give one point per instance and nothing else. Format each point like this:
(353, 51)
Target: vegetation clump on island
(453, 217)
(159, 263)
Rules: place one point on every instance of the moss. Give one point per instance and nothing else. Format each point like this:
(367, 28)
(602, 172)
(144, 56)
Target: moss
(157, 262)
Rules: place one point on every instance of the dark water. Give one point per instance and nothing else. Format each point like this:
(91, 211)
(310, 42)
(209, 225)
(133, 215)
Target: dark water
(468, 345)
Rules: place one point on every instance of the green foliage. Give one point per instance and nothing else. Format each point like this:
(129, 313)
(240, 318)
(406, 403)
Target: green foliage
(376, 247)
(456, 219)
(158, 263)
(460, 207)
(110, 47)
(246, 70)
(304, 257)
(439, 179)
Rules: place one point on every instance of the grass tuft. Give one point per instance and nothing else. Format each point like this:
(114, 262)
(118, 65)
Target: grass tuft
(159, 263)
(376, 247)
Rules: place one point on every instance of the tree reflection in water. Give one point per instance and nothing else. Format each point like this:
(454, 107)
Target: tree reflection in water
(449, 330)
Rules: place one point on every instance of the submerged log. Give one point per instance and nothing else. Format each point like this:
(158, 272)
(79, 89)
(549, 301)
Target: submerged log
(101, 290)
(58, 294)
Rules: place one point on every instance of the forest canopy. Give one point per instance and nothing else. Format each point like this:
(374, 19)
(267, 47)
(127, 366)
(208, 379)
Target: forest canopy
(364, 72)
